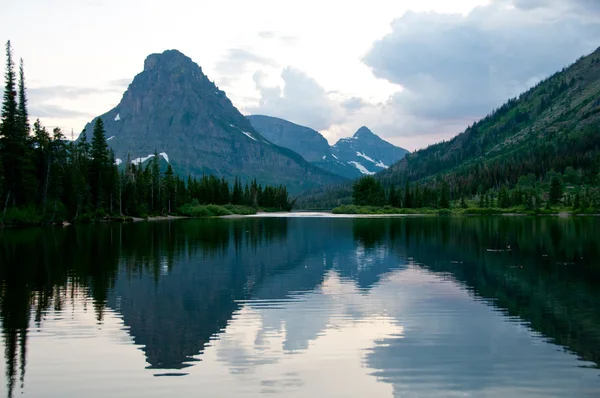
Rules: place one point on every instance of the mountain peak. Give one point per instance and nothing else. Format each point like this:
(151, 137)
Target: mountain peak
(363, 132)
(168, 60)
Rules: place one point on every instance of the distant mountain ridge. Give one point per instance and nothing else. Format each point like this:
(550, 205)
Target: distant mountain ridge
(362, 154)
(171, 107)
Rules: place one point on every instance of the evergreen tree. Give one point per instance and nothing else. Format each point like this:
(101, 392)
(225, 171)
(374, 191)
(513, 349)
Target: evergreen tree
(445, 196)
(22, 113)
(169, 188)
(238, 193)
(556, 191)
(577, 201)
(408, 201)
(367, 191)
(155, 184)
(99, 165)
(9, 133)
(481, 197)
(394, 198)
(503, 198)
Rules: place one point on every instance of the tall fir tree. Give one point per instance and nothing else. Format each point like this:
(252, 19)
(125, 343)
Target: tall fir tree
(99, 165)
(8, 130)
(445, 196)
(22, 113)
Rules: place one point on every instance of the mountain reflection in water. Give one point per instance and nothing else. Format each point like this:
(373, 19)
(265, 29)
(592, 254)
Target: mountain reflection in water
(298, 306)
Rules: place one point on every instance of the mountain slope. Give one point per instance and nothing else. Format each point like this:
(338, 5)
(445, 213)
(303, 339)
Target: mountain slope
(173, 108)
(303, 140)
(362, 154)
(553, 126)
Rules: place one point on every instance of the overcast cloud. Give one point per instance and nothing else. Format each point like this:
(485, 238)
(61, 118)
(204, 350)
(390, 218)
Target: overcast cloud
(415, 71)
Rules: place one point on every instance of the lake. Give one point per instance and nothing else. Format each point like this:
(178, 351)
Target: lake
(303, 307)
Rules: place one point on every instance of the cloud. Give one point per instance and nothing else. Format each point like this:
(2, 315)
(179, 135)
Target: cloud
(121, 83)
(267, 34)
(456, 68)
(580, 6)
(56, 112)
(353, 104)
(64, 92)
(301, 100)
(238, 60)
(271, 35)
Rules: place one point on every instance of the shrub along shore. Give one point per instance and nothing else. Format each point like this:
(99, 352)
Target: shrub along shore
(470, 211)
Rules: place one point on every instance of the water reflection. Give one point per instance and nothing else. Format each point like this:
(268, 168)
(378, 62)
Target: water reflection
(428, 305)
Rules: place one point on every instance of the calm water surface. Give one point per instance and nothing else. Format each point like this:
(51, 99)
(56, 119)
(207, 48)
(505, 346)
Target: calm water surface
(303, 307)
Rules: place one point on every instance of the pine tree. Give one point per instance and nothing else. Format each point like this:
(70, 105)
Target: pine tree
(408, 202)
(556, 191)
(503, 198)
(577, 201)
(57, 180)
(394, 197)
(43, 160)
(169, 188)
(99, 165)
(155, 187)
(481, 196)
(445, 196)
(238, 193)
(22, 113)
(9, 133)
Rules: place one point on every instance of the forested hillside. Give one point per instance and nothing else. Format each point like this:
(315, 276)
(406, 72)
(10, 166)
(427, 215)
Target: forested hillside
(552, 127)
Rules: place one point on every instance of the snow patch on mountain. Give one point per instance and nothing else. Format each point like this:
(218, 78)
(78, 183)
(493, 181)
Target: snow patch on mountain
(247, 134)
(361, 168)
(380, 164)
(118, 161)
(110, 138)
(165, 156)
(138, 161)
(362, 155)
(118, 117)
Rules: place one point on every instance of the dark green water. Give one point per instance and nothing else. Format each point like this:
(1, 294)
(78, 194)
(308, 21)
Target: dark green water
(319, 307)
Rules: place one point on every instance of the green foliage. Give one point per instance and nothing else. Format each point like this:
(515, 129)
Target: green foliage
(354, 209)
(556, 191)
(367, 191)
(196, 210)
(445, 196)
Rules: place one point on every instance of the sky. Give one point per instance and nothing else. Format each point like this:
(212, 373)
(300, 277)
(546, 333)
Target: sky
(414, 72)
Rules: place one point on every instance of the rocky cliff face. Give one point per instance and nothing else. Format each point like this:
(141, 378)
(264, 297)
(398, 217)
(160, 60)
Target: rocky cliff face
(173, 108)
(362, 154)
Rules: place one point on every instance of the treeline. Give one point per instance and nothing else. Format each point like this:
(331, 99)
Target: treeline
(46, 178)
(555, 191)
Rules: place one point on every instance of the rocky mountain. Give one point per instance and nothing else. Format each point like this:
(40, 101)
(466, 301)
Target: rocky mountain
(173, 108)
(367, 152)
(362, 154)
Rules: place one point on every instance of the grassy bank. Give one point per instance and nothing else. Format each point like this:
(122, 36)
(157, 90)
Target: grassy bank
(473, 211)
(197, 211)
(31, 216)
